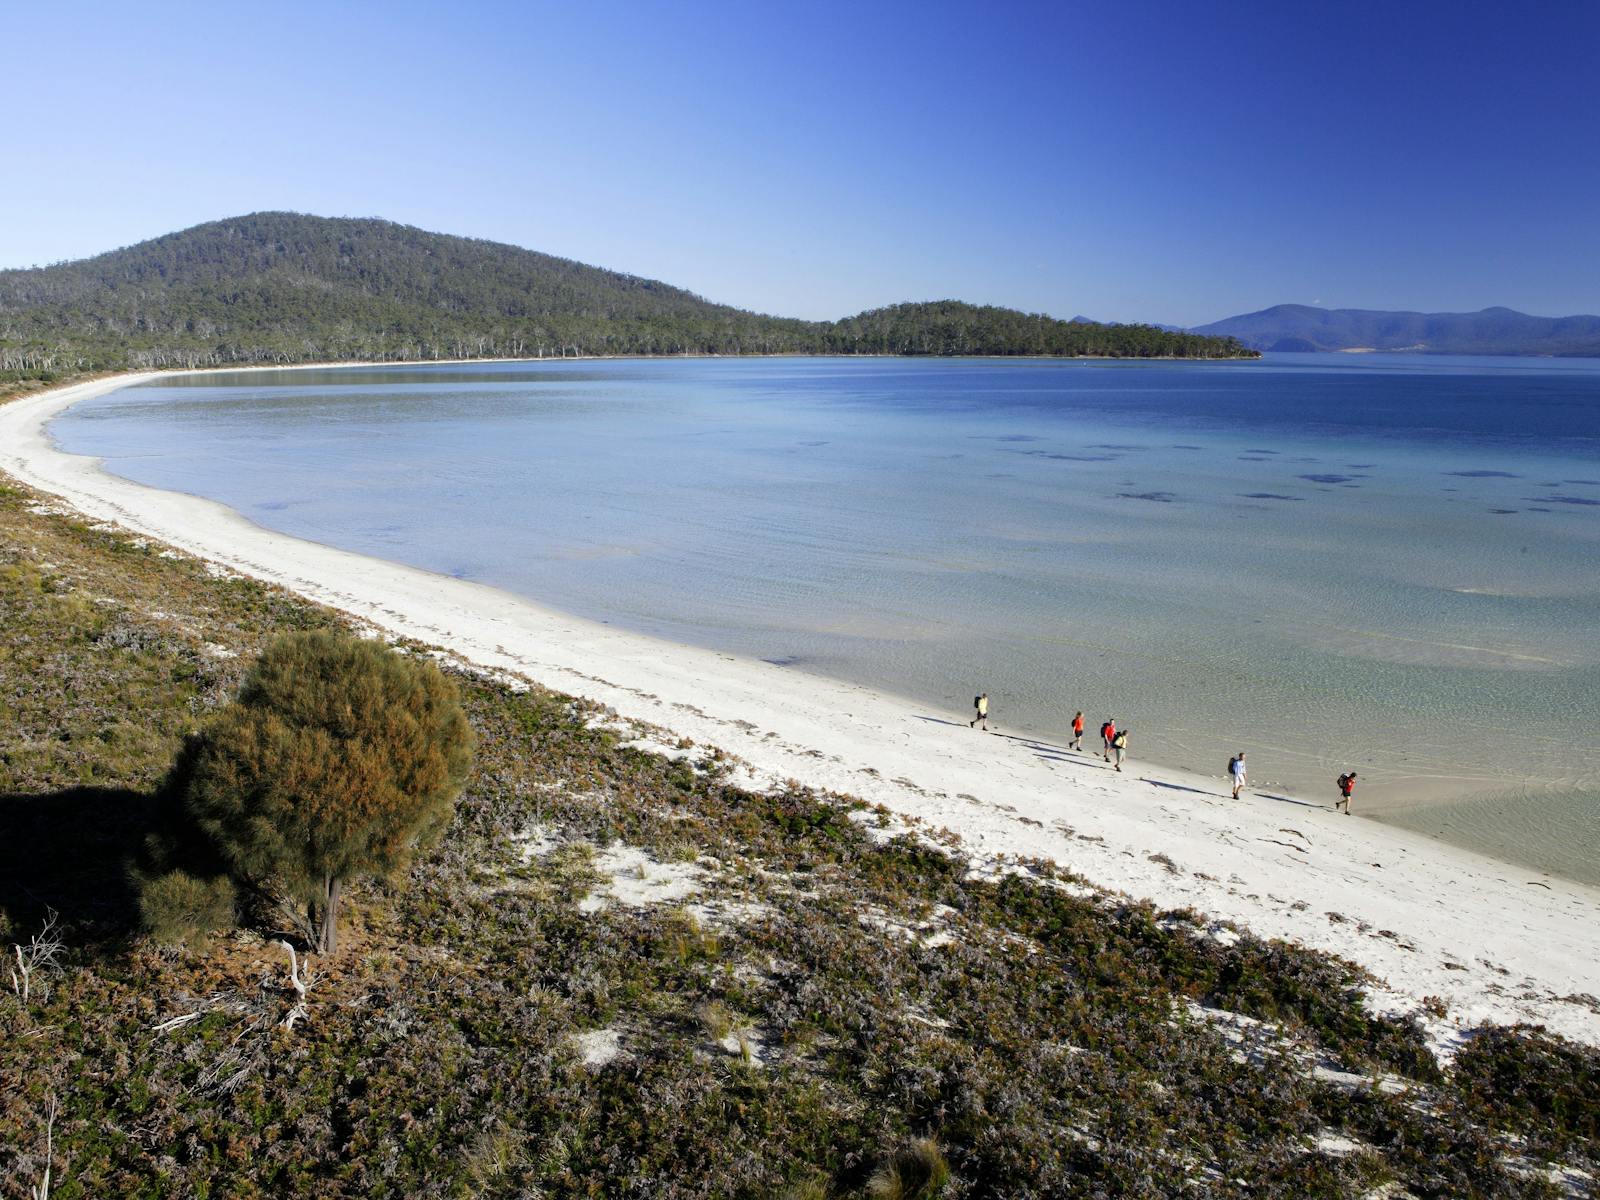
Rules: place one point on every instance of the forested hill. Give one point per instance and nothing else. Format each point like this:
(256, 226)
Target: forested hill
(283, 287)
(949, 327)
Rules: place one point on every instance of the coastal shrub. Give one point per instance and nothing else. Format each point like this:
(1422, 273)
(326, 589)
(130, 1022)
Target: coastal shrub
(340, 758)
(1268, 981)
(797, 812)
(1524, 1078)
(1434, 1158)
(1273, 981)
(176, 908)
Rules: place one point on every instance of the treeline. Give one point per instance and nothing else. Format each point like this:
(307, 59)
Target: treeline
(949, 327)
(287, 288)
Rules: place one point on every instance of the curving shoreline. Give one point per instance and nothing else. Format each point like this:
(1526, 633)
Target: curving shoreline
(1281, 867)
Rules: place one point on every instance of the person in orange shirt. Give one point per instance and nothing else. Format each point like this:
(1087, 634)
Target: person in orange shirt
(1077, 731)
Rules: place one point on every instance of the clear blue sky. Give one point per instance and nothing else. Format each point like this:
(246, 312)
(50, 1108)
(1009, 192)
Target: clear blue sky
(1171, 161)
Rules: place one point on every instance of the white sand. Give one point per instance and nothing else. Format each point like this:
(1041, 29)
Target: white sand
(634, 878)
(1494, 942)
(599, 1046)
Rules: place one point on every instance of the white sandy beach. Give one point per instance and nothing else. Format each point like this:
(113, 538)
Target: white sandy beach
(1494, 942)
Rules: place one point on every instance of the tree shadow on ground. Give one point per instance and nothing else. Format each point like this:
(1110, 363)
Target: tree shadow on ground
(70, 851)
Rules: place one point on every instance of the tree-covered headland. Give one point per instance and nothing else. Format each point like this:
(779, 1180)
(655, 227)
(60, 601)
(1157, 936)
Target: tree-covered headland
(288, 288)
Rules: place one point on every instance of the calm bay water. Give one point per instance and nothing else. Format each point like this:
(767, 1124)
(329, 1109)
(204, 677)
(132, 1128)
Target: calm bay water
(1334, 562)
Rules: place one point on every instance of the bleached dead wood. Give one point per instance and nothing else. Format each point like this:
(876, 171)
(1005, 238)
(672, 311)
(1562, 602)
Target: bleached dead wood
(42, 1191)
(174, 1022)
(299, 1011)
(37, 957)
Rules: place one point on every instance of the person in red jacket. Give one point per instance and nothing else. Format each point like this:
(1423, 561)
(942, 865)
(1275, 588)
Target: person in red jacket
(1077, 731)
(1347, 784)
(1107, 732)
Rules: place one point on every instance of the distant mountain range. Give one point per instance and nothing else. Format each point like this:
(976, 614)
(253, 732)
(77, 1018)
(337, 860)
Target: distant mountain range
(1492, 331)
(284, 287)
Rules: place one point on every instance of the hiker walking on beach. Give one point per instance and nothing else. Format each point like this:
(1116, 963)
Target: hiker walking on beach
(1119, 746)
(1077, 732)
(980, 702)
(1107, 732)
(1236, 773)
(1347, 784)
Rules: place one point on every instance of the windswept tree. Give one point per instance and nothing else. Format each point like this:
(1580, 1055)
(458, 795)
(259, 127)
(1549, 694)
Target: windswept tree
(338, 760)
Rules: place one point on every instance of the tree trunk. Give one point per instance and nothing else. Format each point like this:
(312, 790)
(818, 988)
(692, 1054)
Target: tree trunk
(328, 933)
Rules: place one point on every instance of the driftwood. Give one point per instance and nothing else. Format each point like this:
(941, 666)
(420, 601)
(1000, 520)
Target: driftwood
(299, 1011)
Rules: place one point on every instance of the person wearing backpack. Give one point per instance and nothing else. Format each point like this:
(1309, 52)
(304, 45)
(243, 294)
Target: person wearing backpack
(1119, 746)
(1347, 784)
(1236, 773)
(980, 704)
(1107, 732)
(1077, 732)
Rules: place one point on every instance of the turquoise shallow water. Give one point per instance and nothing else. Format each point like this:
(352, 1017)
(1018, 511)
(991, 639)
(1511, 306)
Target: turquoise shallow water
(1332, 562)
